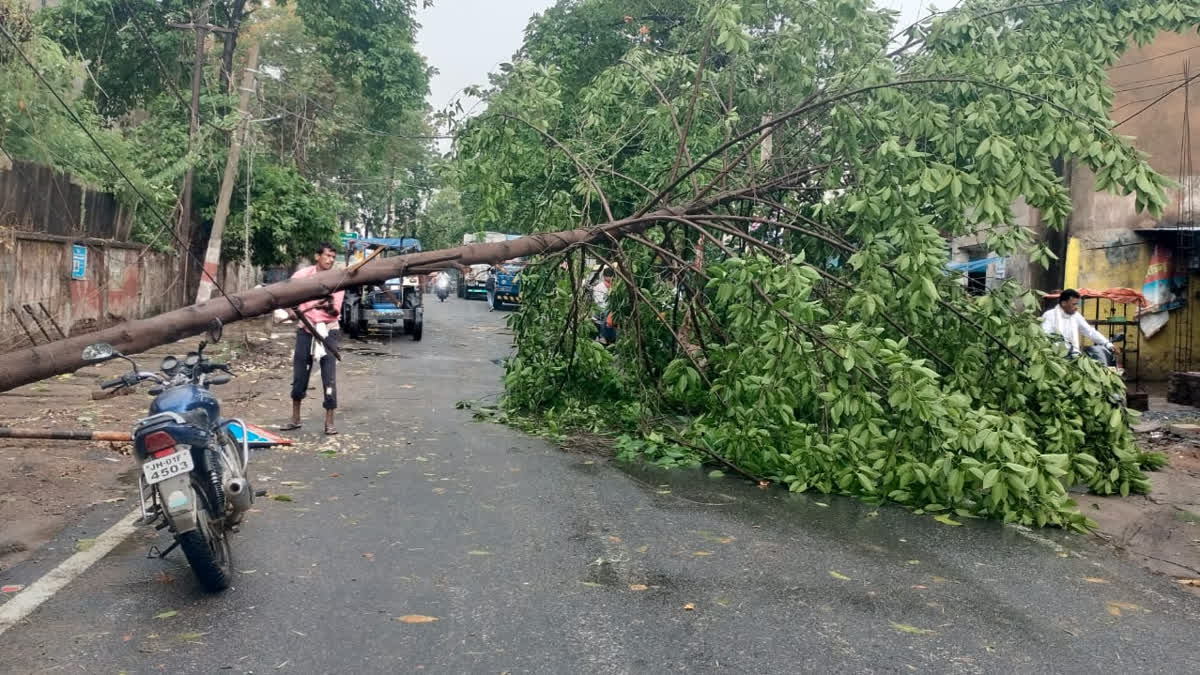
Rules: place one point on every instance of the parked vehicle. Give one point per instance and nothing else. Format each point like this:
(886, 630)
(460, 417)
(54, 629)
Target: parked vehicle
(505, 280)
(398, 303)
(475, 279)
(193, 462)
(474, 282)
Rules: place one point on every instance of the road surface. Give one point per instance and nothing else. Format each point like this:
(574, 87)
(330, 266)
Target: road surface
(532, 559)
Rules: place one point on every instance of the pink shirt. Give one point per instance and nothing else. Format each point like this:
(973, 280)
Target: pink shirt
(310, 309)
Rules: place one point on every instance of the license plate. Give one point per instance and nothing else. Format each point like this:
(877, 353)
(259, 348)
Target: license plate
(158, 470)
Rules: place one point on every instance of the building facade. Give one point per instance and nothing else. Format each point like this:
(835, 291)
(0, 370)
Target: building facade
(1107, 243)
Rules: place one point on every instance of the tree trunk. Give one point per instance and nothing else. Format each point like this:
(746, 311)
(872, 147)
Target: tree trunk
(64, 356)
(212, 258)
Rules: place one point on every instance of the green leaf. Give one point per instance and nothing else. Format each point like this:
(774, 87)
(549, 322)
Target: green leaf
(945, 519)
(911, 630)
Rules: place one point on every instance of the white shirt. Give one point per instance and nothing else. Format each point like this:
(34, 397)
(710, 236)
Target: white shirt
(600, 294)
(1058, 322)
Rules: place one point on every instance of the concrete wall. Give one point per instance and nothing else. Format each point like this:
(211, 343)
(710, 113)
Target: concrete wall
(43, 213)
(122, 282)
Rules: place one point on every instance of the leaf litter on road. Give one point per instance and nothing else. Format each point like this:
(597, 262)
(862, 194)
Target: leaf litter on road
(1114, 608)
(167, 614)
(911, 630)
(415, 618)
(838, 575)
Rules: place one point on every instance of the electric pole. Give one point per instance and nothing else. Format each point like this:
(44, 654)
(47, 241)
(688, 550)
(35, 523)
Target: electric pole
(212, 258)
(184, 229)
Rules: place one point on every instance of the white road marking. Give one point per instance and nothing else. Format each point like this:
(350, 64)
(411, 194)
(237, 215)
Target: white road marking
(25, 602)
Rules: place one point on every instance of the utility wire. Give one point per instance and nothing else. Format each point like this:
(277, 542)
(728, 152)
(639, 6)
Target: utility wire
(87, 132)
(1154, 58)
(1160, 98)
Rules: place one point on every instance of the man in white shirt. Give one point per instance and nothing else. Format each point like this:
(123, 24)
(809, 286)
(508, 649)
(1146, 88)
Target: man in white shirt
(1065, 320)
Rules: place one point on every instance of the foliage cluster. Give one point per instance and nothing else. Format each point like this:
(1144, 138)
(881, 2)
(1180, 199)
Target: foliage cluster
(340, 131)
(790, 314)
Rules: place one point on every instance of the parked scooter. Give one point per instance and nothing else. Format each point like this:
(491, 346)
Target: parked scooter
(192, 477)
(442, 288)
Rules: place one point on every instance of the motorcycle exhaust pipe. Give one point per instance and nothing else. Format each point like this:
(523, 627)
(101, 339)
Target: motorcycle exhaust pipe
(240, 495)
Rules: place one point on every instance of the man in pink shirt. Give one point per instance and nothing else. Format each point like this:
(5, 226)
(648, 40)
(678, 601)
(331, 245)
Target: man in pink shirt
(323, 315)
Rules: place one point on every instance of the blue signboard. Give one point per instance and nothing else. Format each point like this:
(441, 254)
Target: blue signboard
(78, 261)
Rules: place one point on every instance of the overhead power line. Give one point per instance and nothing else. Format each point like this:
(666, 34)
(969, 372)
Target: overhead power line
(1154, 58)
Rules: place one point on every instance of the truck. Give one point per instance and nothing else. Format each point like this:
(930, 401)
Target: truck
(474, 281)
(395, 304)
(506, 277)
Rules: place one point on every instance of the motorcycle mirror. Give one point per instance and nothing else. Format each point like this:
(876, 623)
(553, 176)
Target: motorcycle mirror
(101, 351)
(214, 331)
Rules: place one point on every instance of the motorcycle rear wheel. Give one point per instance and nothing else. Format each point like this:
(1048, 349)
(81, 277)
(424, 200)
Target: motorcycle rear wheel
(207, 551)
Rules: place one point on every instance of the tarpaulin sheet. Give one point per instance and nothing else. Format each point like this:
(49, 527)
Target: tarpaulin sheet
(1124, 295)
(368, 242)
(979, 265)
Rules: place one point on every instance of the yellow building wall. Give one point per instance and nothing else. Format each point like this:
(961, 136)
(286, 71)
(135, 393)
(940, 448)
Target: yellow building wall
(1110, 253)
(1125, 267)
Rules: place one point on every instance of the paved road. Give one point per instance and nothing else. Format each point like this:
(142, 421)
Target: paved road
(530, 559)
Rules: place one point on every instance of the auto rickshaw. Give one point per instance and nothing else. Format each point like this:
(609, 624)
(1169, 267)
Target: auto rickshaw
(395, 305)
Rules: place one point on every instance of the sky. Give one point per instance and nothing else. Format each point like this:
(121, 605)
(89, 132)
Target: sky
(467, 39)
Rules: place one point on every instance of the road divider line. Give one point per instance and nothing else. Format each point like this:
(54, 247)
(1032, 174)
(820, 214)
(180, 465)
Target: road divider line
(24, 603)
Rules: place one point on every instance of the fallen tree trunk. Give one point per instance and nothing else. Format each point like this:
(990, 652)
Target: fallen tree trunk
(63, 356)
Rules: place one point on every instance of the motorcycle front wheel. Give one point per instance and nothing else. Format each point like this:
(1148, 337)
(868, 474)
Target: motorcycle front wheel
(207, 548)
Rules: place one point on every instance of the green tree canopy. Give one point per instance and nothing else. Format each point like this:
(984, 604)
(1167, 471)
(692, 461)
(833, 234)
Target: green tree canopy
(790, 312)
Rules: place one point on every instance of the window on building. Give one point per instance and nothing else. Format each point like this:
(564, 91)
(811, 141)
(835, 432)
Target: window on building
(977, 274)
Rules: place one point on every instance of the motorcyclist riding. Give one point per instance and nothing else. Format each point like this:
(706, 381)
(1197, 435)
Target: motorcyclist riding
(1065, 321)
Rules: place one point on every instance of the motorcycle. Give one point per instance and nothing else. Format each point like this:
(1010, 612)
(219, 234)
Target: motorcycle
(442, 288)
(1103, 355)
(192, 477)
